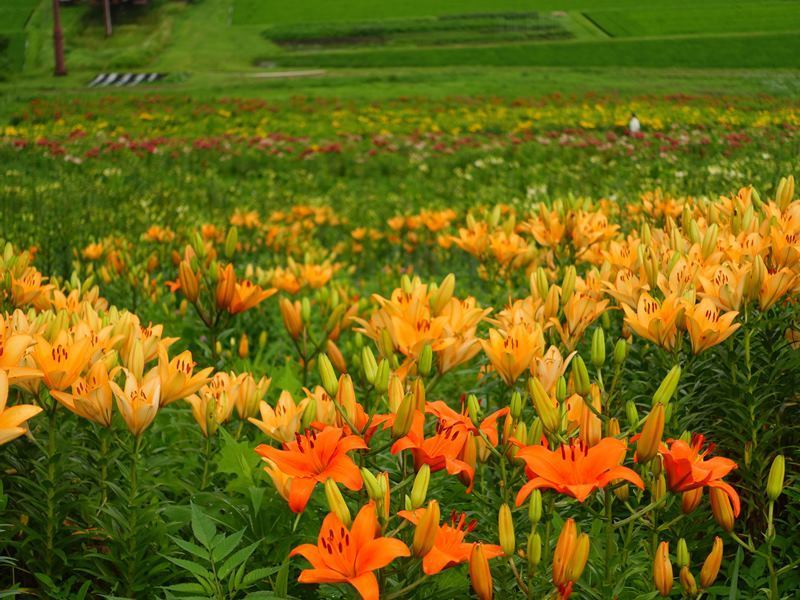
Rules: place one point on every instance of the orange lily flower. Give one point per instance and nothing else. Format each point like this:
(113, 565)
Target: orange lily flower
(706, 327)
(449, 418)
(440, 451)
(177, 379)
(512, 352)
(61, 363)
(344, 555)
(576, 470)
(282, 422)
(313, 458)
(449, 548)
(137, 403)
(91, 396)
(13, 418)
(247, 295)
(687, 468)
(655, 321)
(13, 347)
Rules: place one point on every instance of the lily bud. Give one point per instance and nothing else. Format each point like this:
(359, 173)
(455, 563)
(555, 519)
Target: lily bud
(418, 391)
(309, 414)
(329, 380)
(336, 502)
(305, 310)
(653, 430)
(598, 355)
(682, 554)
(540, 283)
(244, 347)
(568, 283)
(710, 241)
(645, 234)
(690, 500)
(381, 382)
(231, 240)
(346, 397)
(404, 417)
(545, 406)
(662, 570)
(777, 472)
(470, 455)
(371, 484)
(658, 489)
(534, 549)
(579, 557)
(226, 287)
(580, 376)
(474, 409)
(441, 297)
(710, 570)
(188, 281)
(419, 490)
(515, 406)
(290, 313)
(535, 432)
(425, 360)
(721, 508)
(620, 352)
(427, 528)
(631, 414)
(551, 303)
(688, 582)
(505, 524)
(785, 192)
(369, 364)
(479, 573)
(396, 392)
(135, 360)
(333, 352)
(561, 390)
(668, 386)
(565, 547)
(535, 507)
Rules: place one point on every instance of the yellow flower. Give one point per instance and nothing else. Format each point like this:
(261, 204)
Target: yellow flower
(13, 418)
(61, 363)
(512, 351)
(655, 321)
(177, 379)
(282, 422)
(91, 396)
(138, 403)
(706, 327)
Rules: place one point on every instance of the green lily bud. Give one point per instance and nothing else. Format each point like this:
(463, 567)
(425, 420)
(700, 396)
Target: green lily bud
(336, 502)
(580, 376)
(545, 406)
(668, 386)
(535, 507)
(561, 389)
(305, 310)
(329, 380)
(568, 284)
(419, 491)
(381, 382)
(516, 405)
(682, 554)
(534, 549)
(474, 409)
(598, 348)
(231, 240)
(371, 484)
(620, 352)
(777, 473)
(369, 364)
(425, 360)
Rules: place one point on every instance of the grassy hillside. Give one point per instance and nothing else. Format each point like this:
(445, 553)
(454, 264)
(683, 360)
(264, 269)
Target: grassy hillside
(217, 42)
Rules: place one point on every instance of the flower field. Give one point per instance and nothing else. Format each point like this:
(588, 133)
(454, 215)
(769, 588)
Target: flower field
(404, 348)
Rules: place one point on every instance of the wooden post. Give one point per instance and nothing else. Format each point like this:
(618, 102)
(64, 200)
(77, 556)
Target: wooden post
(107, 11)
(58, 40)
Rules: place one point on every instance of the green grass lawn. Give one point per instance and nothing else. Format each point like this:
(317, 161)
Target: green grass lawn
(739, 17)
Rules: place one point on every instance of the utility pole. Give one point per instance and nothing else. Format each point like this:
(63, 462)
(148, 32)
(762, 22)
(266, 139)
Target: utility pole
(107, 11)
(58, 40)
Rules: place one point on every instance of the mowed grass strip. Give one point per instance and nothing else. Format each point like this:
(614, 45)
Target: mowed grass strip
(733, 18)
(735, 51)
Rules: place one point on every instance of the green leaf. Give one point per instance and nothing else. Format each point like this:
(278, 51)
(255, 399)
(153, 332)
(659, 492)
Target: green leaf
(186, 588)
(257, 575)
(236, 559)
(202, 527)
(226, 546)
(193, 568)
(191, 548)
(282, 581)
(733, 593)
(287, 379)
